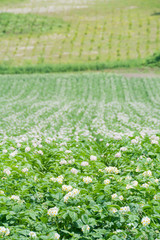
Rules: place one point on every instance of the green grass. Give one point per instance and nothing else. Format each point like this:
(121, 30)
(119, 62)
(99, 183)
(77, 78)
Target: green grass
(11, 2)
(104, 31)
(6, 68)
(55, 124)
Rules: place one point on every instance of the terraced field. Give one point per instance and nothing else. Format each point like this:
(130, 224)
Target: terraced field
(59, 31)
(79, 157)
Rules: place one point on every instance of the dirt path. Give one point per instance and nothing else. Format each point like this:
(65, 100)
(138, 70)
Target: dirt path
(46, 6)
(140, 75)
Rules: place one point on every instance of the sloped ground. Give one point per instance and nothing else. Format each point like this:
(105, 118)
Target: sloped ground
(93, 31)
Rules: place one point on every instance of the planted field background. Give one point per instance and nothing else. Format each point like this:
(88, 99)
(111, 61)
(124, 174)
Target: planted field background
(77, 31)
(80, 157)
(93, 101)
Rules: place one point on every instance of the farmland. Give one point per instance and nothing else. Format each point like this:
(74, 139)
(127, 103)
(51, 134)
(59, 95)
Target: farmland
(53, 32)
(79, 157)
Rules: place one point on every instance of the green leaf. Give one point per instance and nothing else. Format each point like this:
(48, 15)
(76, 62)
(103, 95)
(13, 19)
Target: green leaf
(84, 218)
(73, 216)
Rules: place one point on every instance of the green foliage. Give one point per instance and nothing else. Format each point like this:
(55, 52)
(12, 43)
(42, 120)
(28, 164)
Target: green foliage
(73, 67)
(11, 23)
(153, 60)
(62, 136)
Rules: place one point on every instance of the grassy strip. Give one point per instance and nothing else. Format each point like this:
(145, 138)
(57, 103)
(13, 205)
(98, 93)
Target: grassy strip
(75, 67)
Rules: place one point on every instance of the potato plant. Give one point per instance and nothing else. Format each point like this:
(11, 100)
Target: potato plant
(79, 157)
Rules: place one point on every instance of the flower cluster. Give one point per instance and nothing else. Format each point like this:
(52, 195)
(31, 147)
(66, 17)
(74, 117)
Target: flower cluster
(67, 188)
(145, 221)
(4, 231)
(59, 179)
(87, 180)
(112, 170)
(53, 212)
(71, 194)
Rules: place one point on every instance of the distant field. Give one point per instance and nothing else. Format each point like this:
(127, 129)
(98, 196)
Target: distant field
(45, 32)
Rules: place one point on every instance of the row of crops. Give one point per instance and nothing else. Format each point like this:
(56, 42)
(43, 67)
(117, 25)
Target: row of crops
(83, 31)
(79, 157)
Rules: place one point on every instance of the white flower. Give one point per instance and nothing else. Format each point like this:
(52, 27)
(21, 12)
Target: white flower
(154, 137)
(128, 177)
(1, 192)
(25, 170)
(123, 149)
(13, 154)
(15, 197)
(12, 148)
(107, 144)
(147, 173)
(7, 171)
(32, 234)
(118, 155)
(40, 152)
(118, 231)
(145, 185)
(83, 164)
(121, 197)
(156, 197)
(148, 159)
(87, 180)
(113, 210)
(145, 221)
(72, 194)
(117, 137)
(63, 144)
(156, 180)
(67, 188)
(85, 228)
(112, 170)
(4, 231)
(63, 162)
(114, 196)
(134, 141)
(107, 181)
(154, 142)
(53, 211)
(71, 161)
(66, 197)
(7, 231)
(18, 145)
(93, 158)
(53, 179)
(134, 183)
(48, 140)
(5, 151)
(75, 192)
(27, 149)
(60, 179)
(56, 236)
(129, 186)
(68, 151)
(125, 209)
(74, 171)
